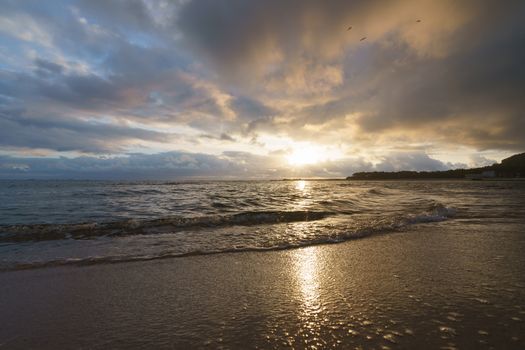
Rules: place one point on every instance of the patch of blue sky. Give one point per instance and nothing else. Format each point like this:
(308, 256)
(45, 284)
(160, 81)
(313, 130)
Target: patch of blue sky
(12, 54)
(143, 39)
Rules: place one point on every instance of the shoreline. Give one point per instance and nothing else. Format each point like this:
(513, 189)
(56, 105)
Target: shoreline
(453, 284)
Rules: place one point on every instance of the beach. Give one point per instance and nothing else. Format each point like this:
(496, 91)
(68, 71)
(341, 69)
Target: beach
(437, 285)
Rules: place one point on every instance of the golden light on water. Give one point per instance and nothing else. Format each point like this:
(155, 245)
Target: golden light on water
(300, 185)
(303, 201)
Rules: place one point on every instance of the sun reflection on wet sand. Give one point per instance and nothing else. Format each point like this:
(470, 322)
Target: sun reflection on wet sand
(307, 274)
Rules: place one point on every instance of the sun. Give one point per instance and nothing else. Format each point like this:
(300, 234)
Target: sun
(305, 155)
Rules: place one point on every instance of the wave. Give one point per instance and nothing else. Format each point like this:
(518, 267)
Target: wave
(377, 191)
(436, 213)
(42, 232)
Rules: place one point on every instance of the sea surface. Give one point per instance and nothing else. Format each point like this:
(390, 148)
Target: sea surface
(51, 223)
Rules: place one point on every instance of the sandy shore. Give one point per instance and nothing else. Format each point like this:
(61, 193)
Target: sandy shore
(444, 285)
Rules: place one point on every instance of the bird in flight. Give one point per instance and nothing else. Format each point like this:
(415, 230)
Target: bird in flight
(418, 21)
(349, 28)
(363, 38)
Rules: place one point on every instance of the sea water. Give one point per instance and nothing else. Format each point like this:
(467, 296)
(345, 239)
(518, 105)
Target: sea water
(49, 223)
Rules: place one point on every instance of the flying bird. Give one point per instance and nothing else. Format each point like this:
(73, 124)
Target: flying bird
(363, 38)
(349, 28)
(418, 21)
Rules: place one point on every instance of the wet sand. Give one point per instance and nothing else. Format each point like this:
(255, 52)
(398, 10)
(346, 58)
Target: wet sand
(441, 285)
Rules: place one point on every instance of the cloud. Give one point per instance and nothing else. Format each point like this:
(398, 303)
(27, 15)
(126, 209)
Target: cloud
(208, 76)
(158, 166)
(410, 161)
(45, 67)
(436, 78)
(177, 165)
(251, 109)
(249, 33)
(27, 131)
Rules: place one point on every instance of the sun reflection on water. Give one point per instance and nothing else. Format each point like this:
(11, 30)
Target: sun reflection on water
(302, 197)
(300, 185)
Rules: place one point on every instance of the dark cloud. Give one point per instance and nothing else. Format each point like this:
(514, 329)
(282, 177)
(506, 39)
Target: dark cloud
(45, 67)
(251, 109)
(239, 33)
(473, 95)
(221, 137)
(478, 80)
(48, 128)
(20, 130)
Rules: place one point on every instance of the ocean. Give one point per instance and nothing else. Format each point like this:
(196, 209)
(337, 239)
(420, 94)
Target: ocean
(50, 223)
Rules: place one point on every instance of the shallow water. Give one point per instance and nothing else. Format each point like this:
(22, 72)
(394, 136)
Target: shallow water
(48, 223)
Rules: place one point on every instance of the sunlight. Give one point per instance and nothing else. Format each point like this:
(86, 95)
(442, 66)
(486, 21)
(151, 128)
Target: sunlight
(305, 155)
(308, 278)
(300, 185)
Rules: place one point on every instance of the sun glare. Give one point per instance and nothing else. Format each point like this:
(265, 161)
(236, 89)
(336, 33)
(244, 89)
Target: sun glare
(306, 154)
(300, 185)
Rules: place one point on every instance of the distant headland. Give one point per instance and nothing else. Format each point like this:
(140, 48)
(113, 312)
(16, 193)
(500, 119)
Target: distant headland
(512, 167)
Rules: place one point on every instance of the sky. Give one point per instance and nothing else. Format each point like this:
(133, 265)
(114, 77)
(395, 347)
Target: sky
(133, 89)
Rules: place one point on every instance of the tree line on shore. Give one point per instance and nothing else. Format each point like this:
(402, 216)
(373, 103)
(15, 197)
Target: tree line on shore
(512, 167)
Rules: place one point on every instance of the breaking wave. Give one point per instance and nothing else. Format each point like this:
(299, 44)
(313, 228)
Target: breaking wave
(334, 229)
(41, 232)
